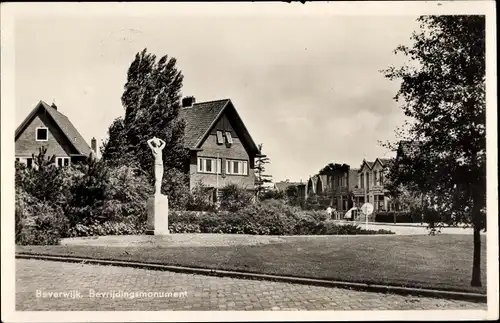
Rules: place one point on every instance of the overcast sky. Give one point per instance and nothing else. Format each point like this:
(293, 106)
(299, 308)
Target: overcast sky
(308, 88)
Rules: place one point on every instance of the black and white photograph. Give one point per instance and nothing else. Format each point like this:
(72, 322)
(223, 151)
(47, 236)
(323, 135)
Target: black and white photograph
(254, 161)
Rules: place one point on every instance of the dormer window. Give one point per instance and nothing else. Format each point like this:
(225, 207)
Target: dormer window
(42, 134)
(229, 139)
(220, 139)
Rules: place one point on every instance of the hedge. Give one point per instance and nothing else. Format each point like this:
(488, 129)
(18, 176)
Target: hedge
(401, 217)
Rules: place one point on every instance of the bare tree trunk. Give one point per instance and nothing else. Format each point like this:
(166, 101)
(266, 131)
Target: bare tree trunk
(476, 262)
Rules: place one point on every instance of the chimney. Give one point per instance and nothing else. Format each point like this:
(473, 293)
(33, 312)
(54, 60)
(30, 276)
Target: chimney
(188, 101)
(54, 106)
(93, 145)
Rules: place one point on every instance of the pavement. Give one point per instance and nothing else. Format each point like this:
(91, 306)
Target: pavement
(46, 285)
(408, 228)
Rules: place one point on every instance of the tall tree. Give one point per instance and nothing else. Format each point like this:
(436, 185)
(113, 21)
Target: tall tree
(261, 179)
(442, 91)
(151, 100)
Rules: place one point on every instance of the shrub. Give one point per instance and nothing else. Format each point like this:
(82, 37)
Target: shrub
(126, 195)
(38, 222)
(175, 186)
(272, 195)
(317, 215)
(266, 218)
(106, 228)
(44, 180)
(200, 198)
(400, 216)
(87, 193)
(235, 198)
(182, 227)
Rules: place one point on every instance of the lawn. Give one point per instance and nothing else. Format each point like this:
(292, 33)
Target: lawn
(440, 262)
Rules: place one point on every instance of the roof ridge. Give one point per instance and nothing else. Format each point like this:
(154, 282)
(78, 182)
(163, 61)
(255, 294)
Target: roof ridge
(204, 102)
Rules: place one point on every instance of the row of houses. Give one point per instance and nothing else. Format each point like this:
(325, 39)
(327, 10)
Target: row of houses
(344, 187)
(221, 150)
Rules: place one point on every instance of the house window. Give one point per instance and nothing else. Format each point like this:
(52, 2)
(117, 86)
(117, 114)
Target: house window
(236, 167)
(209, 165)
(368, 180)
(220, 139)
(62, 161)
(42, 134)
(229, 138)
(362, 180)
(29, 162)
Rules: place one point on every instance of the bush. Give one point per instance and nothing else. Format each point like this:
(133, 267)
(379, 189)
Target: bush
(106, 228)
(126, 196)
(175, 186)
(38, 222)
(87, 192)
(200, 198)
(401, 217)
(235, 198)
(272, 195)
(267, 218)
(44, 181)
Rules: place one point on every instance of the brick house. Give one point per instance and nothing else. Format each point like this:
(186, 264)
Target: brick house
(46, 126)
(221, 150)
(370, 184)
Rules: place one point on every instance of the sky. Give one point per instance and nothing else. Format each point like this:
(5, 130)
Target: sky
(308, 87)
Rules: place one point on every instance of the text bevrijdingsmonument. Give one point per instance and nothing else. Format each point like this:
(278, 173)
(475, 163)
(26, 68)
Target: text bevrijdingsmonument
(73, 294)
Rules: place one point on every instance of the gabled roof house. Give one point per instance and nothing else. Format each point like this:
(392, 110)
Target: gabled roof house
(222, 150)
(46, 126)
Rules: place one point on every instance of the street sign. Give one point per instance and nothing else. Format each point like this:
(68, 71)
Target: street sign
(367, 209)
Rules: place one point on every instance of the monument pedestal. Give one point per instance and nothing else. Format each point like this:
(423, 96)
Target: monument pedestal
(157, 207)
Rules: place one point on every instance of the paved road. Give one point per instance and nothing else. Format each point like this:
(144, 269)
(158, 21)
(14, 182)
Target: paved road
(35, 279)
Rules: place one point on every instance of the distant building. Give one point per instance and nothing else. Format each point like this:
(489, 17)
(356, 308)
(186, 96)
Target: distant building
(46, 126)
(370, 184)
(334, 186)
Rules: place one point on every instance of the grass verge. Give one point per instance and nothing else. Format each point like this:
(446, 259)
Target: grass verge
(438, 262)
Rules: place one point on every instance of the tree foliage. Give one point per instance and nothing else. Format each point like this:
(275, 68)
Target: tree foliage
(261, 179)
(332, 168)
(151, 100)
(442, 92)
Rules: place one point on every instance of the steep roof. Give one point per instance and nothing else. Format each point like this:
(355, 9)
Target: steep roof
(383, 161)
(66, 127)
(201, 118)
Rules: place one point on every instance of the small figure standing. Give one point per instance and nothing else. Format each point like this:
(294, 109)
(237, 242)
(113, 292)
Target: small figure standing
(157, 145)
(329, 212)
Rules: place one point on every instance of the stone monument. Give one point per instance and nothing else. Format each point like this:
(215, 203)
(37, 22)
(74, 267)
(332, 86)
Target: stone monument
(157, 205)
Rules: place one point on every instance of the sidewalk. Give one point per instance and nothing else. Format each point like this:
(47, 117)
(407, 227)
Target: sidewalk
(408, 228)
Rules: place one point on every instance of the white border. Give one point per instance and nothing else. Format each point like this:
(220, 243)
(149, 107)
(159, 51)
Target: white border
(11, 11)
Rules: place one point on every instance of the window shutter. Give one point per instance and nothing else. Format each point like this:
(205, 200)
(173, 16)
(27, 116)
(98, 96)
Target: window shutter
(220, 139)
(219, 166)
(229, 138)
(200, 166)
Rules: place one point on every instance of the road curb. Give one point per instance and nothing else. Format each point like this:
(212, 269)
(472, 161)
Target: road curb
(472, 297)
